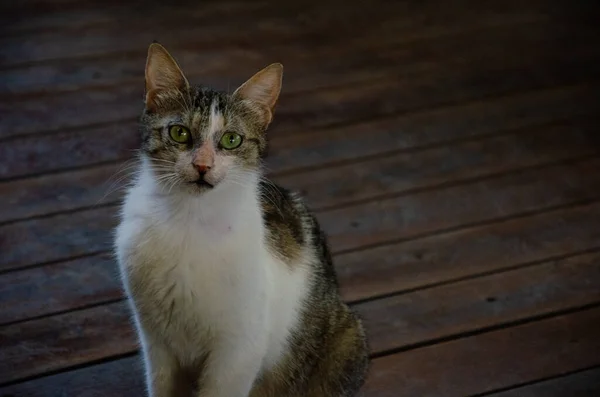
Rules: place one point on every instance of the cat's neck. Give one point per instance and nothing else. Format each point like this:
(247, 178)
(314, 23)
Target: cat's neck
(229, 202)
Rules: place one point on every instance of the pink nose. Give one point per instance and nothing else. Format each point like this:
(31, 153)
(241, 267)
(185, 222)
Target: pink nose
(202, 168)
(204, 158)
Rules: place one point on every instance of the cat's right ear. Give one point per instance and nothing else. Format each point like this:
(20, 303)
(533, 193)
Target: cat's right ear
(162, 74)
(263, 89)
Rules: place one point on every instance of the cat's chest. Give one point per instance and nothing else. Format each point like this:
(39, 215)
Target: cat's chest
(197, 279)
(193, 254)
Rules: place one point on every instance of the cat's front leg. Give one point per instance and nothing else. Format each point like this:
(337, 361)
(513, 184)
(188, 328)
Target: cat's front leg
(233, 367)
(164, 377)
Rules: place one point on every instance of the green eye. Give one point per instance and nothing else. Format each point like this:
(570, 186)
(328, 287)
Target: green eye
(231, 140)
(179, 134)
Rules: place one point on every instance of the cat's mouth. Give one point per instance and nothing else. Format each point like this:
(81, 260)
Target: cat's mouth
(202, 183)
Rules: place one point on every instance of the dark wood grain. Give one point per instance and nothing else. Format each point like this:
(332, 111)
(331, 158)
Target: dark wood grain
(59, 287)
(61, 341)
(403, 217)
(349, 228)
(196, 27)
(391, 323)
(57, 237)
(467, 252)
(126, 380)
(580, 384)
(71, 190)
(120, 378)
(416, 86)
(364, 274)
(429, 126)
(480, 303)
(45, 16)
(450, 150)
(34, 155)
(490, 361)
(270, 24)
(392, 173)
(30, 155)
(385, 173)
(307, 64)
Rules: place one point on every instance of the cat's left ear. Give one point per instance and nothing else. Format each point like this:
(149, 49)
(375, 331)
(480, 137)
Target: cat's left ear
(162, 74)
(263, 89)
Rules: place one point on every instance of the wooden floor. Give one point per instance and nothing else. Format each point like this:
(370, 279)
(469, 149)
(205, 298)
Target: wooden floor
(451, 150)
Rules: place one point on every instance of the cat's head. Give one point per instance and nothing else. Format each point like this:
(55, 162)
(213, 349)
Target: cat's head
(194, 138)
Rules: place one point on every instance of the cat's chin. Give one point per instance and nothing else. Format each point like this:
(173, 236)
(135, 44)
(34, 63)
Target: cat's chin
(202, 184)
(190, 188)
(200, 187)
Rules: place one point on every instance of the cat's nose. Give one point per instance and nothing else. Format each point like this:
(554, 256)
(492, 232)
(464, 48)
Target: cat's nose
(203, 158)
(202, 168)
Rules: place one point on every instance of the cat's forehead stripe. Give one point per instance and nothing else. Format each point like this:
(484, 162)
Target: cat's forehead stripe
(216, 120)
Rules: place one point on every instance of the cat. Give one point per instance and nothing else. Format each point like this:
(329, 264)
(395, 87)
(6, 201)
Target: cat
(229, 275)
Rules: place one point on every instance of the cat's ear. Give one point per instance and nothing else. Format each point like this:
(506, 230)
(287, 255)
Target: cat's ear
(162, 74)
(263, 89)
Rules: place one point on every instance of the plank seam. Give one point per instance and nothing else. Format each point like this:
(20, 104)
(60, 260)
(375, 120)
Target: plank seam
(428, 343)
(323, 166)
(488, 329)
(357, 302)
(520, 215)
(489, 25)
(533, 382)
(502, 219)
(436, 106)
(476, 275)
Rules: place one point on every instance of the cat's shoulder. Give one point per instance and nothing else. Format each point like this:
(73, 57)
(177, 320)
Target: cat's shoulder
(287, 219)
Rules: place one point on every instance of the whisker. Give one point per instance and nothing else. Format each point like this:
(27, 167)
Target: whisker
(123, 173)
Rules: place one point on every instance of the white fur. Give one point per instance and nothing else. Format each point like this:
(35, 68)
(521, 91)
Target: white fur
(202, 279)
(216, 121)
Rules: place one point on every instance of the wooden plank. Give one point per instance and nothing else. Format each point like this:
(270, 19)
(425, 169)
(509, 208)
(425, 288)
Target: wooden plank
(429, 126)
(518, 294)
(307, 64)
(57, 237)
(78, 337)
(388, 172)
(416, 91)
(400, 267)
(417, 86)
(36, 154)
(467, 252)
(127, 379)
(71, 148)
(490, 361)
(579, 384)
(51, 16)
(12, 9)
(68, 191)
(92, 14)
(308, 19)
(207, 30)
(349, 228)
(480, 303)
(120, 378)
(399, 218)
(59, 287)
